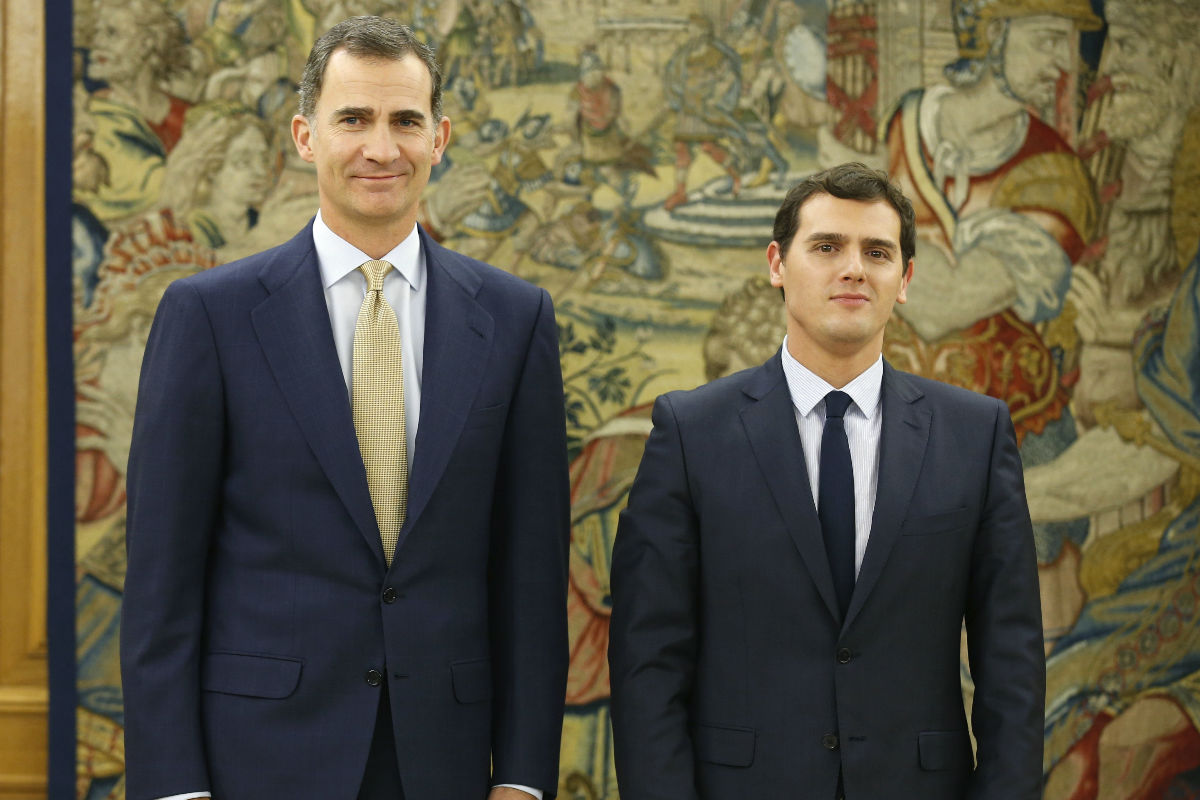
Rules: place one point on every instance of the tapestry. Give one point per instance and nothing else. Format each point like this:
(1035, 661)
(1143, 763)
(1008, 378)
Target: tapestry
(629, 156)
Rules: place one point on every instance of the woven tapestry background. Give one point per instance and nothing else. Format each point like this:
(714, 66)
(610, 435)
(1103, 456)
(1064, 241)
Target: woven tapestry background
(629, 156)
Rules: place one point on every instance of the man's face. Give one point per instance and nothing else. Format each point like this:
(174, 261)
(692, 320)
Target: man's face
(373, 140)
(245, 176)
(842, 275)
(1139, 65)
(1038, 50)
(117, 54)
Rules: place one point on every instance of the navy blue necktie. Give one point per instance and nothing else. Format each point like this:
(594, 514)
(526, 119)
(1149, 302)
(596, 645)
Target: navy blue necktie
(835, 498)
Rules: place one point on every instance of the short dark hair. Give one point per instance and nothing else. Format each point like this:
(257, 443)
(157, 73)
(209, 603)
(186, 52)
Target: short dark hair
(851, 181)
(367, 37)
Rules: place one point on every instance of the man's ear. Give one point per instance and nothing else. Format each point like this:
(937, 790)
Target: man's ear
(302, 133)
(902, 295)
(775, 264)
(441, 138)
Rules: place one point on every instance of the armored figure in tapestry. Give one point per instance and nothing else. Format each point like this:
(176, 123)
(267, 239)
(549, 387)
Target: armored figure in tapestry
(702, 84)
(1004, 208)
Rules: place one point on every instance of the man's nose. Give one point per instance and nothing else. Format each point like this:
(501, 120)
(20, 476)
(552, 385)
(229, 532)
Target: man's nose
(380, 147)
(852, 269)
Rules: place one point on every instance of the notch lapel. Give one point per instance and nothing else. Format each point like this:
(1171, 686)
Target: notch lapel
(292, 325)
(904, 436)
(770, 424)
(458, 339)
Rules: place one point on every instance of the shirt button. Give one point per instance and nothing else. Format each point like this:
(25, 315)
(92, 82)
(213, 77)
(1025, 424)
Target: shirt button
(844, 655)
(390, 595)
(829, 741)
(374, 678)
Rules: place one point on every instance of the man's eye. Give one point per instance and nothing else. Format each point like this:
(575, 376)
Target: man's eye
(825, 248)
(350, 120)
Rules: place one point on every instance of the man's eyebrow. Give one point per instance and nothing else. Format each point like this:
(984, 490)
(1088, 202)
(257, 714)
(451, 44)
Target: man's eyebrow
(841, 238)
(886, 244)
(408, 114)
(819, 236)
(353, 111)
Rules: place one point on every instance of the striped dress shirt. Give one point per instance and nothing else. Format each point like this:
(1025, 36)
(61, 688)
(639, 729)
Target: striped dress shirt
(864, 421)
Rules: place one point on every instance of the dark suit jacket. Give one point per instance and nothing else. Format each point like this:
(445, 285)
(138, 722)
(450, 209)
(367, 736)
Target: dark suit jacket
(732, 675)
(257, 598)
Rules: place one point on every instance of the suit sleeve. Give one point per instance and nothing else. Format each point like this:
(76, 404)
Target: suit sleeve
(652, 649)
(531, 533)
(173, 488)
(1004, 634)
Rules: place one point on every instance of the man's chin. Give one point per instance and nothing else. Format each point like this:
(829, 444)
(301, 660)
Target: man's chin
(380, 216)
(1132, 116)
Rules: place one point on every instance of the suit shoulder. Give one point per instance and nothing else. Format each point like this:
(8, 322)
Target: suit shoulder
(945, 395)
(231, 274)
(246, 270)
(490, 277)
(721, 395)
(501, 281)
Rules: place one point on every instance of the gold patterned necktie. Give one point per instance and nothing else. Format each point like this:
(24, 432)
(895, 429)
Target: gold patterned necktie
(377, 397)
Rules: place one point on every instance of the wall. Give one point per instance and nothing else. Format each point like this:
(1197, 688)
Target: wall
(23, 695)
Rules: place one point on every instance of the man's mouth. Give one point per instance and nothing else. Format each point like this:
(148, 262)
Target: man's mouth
(1125, 86)
(851, 299)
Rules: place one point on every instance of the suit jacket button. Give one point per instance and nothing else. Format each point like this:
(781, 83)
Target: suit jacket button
(829, 741)
(374, 678)
(390, 595)
(844, 655)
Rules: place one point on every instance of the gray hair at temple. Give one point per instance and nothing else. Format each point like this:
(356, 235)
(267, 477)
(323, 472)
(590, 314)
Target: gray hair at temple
(370, 38)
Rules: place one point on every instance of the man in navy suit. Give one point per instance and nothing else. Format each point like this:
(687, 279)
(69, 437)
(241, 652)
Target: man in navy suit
(271, 647)
(803, 543)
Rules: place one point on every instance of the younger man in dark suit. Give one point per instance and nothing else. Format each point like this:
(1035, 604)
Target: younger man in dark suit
(803, 543)
(348, 512)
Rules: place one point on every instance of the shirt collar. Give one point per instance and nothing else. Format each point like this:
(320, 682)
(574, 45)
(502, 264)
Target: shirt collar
(338, 258)
(808, 389)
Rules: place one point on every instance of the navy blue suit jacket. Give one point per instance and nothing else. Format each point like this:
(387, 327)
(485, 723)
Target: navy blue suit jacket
(733, 675)
(256, 601)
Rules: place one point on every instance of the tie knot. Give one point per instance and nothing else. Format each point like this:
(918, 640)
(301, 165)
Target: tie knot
(836, 404)
(375, 272)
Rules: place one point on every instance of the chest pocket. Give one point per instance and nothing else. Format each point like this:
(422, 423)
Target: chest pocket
(942, 522)
(484, 417)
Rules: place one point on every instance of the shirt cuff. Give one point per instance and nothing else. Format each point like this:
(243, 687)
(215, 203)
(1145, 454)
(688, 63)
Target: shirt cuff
(535, 792)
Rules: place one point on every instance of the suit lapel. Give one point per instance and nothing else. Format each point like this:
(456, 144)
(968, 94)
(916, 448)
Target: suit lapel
(458, 339)
(292, 325)
(770, 424)
(905, 433)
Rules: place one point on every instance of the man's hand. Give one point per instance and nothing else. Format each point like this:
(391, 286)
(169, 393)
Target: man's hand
(508, 793)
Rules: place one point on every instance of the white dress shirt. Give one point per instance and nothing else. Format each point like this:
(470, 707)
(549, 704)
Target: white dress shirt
(863, 420)
(404, 289)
